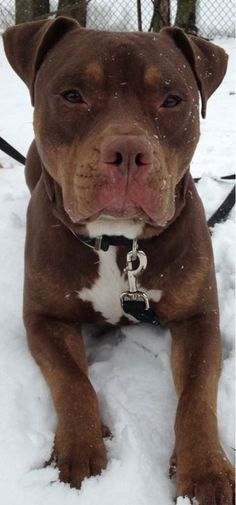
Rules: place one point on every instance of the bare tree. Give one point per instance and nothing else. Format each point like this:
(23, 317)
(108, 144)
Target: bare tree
(27, 10)
(40, 8)
(186, 16)
(139, 12)
(76, 9)
(161, 15)
(24, 10)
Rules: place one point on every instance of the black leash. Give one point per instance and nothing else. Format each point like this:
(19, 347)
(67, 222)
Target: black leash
(223, 211)
(224, 178)
(13, 153)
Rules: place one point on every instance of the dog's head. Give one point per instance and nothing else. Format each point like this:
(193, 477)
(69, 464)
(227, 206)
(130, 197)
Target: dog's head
(116, 117)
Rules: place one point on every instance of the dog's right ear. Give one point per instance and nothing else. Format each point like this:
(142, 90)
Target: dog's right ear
(208, 61)
(27, 44)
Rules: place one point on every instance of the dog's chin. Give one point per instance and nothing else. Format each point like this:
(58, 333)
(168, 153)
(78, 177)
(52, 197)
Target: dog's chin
(113, 222)
(129, 227)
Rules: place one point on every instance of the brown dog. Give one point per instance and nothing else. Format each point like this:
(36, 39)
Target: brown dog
(116, 124)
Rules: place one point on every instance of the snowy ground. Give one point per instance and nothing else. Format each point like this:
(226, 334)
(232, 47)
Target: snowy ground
(130, 371)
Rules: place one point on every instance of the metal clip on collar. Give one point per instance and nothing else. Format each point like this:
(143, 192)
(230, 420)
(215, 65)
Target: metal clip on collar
(133, 294)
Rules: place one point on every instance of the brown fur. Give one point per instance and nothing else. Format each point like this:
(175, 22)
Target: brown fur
(124, 79)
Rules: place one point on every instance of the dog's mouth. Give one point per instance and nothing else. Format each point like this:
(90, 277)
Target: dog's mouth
(134, 215)
(137, 204)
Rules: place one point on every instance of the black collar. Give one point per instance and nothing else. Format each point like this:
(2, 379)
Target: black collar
(104, 241)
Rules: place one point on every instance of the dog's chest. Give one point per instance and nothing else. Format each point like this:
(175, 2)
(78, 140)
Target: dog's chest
(104, 294)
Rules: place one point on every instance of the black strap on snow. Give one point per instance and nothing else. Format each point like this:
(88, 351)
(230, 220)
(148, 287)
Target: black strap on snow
(11, 151)
(225, 208)
(223, 211)
(222, 178)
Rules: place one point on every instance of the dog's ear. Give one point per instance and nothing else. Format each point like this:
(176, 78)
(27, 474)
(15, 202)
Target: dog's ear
(27, 44)
(208, 62)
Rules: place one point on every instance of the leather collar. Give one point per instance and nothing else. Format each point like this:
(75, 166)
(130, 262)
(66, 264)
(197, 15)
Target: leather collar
(104, 241)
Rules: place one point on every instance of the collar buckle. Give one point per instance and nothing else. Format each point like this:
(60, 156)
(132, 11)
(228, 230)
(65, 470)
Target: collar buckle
(98, 243)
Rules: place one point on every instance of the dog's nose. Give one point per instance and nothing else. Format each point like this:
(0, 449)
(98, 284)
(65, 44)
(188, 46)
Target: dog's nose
(127, 152)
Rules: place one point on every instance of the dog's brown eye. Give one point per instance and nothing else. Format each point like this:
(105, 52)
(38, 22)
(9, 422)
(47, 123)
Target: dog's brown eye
(171, 101)
(72, 96)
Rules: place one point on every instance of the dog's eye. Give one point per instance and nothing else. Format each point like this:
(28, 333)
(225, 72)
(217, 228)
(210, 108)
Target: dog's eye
(72, 96)
(171, 101)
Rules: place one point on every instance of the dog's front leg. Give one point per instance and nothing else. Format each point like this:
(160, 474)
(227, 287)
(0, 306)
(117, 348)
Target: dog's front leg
(202, 469)
(58, 349)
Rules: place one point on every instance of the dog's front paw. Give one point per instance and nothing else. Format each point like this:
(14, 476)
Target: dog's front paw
(210, 482)
(79, 453)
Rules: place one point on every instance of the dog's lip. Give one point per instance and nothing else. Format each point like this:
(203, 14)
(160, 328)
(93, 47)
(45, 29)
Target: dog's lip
(133, 212)
(104, 214)
(112, 215)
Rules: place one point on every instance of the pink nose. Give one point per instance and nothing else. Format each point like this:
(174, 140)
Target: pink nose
(126, 152)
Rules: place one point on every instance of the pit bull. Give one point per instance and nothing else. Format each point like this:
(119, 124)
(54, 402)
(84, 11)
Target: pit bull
(116, 122)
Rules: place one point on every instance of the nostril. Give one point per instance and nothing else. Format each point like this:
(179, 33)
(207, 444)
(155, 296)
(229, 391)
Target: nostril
(118, 159)
(138, 159)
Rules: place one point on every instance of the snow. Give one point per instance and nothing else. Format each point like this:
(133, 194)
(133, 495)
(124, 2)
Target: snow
(183, 501)
(130, 370)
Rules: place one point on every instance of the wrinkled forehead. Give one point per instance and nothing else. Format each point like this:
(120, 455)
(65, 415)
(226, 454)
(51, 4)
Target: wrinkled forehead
(128, 57)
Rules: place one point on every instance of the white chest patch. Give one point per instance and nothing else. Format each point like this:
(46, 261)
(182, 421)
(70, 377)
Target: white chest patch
(105, 293)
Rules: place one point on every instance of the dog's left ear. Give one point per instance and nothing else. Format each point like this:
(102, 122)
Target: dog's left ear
(27, 44)
(208, 62)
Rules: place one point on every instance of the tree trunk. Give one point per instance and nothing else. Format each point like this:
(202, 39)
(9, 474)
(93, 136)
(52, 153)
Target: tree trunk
(28, 10)
(74, 9)
(186, 16)
(24, 11)
(40, 8)
(161, 15)
(139, 12)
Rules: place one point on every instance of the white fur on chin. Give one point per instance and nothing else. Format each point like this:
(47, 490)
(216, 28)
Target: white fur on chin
(107, 225)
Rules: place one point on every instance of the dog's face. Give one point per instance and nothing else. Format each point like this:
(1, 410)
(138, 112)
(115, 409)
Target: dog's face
(111, 114)
(116, 120)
